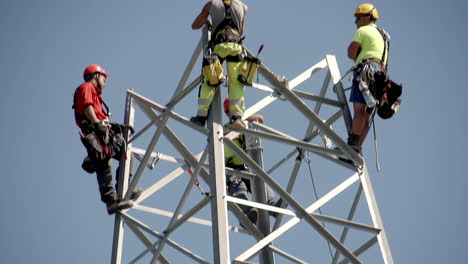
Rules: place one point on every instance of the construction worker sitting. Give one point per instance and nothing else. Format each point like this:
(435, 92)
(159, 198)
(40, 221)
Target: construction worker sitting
(367, 50)
(237, 186)
(99, 136)
(227, 18)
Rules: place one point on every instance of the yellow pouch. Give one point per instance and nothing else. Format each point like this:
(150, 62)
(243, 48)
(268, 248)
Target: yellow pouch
(212, 70)
(248, 69)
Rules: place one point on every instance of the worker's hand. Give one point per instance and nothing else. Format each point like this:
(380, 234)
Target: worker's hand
(101, 127)
(119, 128)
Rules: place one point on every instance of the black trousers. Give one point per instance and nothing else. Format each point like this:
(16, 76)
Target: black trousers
(104, 178)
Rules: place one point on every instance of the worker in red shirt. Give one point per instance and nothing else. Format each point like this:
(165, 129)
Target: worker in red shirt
(101, 138)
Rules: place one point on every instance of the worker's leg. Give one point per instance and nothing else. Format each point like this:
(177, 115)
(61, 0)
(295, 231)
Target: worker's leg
(365, 130)
(272, 198)
(360, 119)
(238, 189)
(104, 179)
(137, 191)
(231, 52)
(205, 97)
(236, 90)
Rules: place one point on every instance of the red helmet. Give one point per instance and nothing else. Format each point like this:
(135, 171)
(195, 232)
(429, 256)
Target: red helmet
(226, 105)
(93, 68)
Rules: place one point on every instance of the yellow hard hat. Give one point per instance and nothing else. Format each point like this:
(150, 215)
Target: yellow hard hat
(367, 9)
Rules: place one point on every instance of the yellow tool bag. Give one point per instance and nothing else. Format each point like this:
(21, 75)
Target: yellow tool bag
(248, 69)
(212, 70)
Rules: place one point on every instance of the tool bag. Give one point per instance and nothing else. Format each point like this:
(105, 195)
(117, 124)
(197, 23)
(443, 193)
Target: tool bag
(212, 70)
(388, 93)
(248, 69)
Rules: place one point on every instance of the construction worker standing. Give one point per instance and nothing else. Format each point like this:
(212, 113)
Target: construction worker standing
(368, 51)
(227, 18)
(99, 136)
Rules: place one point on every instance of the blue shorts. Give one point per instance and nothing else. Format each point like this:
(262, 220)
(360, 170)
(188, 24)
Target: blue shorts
(356, 95)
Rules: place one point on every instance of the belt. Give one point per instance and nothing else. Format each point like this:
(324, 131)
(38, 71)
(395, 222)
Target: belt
(372, 61)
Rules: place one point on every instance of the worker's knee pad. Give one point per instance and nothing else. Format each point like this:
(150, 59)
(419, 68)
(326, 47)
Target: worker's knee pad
(212, 70)
(248, 69)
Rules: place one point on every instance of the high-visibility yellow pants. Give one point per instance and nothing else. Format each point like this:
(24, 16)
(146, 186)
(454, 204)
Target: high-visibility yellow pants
(235, 88)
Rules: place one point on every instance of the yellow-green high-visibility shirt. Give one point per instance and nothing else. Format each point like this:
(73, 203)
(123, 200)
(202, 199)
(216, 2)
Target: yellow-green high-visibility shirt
(372, 43)
(229, 156)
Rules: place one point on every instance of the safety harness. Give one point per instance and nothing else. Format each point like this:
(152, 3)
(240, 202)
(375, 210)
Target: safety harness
(385, 91)
(228, 30)
(98, 147)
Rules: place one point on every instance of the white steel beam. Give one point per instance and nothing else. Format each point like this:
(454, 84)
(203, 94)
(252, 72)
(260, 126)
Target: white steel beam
(219, 216)
(124, 174)
(352, 211)
(182, 201)
(292, 222)
(293, 203)
(375, 215)
(156, 234)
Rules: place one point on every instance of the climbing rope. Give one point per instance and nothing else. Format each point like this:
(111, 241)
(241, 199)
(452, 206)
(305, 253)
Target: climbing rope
(308, 160)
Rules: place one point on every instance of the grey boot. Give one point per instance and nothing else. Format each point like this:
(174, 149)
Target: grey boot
(136, 194)
(117, 206)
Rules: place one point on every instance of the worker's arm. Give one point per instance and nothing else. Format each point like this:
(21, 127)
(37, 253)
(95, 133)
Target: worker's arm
(90, 114)
(255, 117)
(353, 50)
(202, 18)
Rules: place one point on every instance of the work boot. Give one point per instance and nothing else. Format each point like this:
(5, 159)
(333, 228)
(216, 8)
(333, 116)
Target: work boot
(115, 206)
(237, 121)
(353, 142)
(252, 214)
(136, 194)
(199, 120)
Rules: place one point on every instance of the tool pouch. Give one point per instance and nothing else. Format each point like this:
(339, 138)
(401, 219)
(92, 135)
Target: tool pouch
(88, 165)
(95, 151)
(212, 70)
(248, 69)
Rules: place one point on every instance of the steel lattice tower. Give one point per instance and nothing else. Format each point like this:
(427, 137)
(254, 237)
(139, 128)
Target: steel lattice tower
(208, 166)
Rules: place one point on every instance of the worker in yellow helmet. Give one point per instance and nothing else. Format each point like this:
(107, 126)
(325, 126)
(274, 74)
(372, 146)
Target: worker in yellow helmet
(369, 51)
(227, 23)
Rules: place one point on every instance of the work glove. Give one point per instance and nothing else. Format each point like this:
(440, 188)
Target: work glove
(119, 128)
(100, 128)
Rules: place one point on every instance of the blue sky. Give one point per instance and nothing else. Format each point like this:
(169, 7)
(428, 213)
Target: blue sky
(51, 208)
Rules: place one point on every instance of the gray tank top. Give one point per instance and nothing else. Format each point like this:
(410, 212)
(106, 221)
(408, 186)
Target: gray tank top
(238, 10)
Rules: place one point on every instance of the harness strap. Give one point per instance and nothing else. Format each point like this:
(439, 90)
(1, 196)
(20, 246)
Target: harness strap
(386, 47)
(227, 31)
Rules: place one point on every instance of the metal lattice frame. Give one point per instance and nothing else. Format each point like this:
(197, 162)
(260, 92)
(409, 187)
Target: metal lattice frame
(208, 165)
